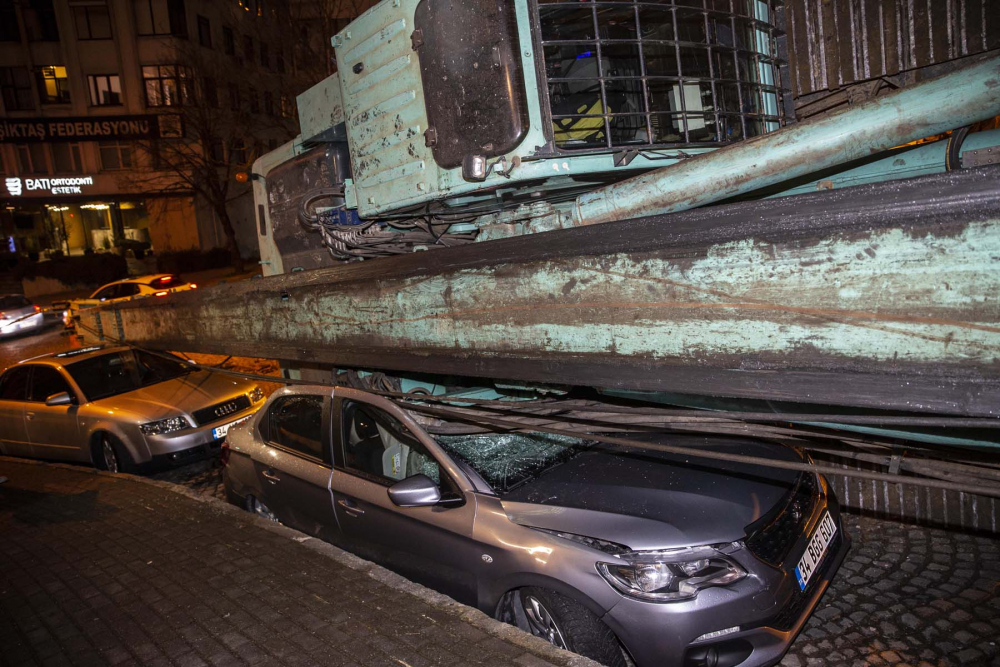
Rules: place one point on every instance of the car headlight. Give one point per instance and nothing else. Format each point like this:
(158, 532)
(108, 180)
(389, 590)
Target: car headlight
(668, 576)
(164, 426)
(256, 395)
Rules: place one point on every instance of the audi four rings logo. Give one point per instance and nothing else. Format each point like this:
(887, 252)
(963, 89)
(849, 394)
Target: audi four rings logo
(226, 409)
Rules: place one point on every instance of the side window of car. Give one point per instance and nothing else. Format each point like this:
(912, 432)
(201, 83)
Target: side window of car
(296, 423)
(46, 381)
(127, 289)
(106, 293)
(377, 445)
(14, 384)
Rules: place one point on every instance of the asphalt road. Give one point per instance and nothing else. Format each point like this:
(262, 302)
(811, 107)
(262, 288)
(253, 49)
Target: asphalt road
(51, 339)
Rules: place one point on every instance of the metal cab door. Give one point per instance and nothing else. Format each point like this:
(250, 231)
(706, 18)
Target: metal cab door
(432, 545)
(294, 464)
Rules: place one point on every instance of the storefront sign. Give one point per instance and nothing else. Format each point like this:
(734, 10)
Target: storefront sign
(71, 185)
(83, 128)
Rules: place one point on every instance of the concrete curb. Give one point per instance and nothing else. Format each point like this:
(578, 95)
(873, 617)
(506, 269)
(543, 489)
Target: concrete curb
(470, 615)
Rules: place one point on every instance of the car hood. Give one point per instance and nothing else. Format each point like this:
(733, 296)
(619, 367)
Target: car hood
(652, 500)
(183, 394)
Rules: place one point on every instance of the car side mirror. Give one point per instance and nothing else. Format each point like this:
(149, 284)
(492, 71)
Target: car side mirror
(62, 398)
(415, 491)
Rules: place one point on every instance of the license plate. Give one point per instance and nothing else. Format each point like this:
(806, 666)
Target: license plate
(221, 431)
(817, 548)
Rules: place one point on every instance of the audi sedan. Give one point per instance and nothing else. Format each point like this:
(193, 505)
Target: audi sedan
(615, 554)
(118, 408)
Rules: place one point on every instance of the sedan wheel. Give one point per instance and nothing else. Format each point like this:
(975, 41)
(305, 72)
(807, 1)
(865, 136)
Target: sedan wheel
(540, 621)
(110, 457)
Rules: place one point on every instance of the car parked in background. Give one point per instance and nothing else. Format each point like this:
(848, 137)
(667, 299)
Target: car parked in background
(154, 285)
(615, 554)
(18, 315)
(118, 408)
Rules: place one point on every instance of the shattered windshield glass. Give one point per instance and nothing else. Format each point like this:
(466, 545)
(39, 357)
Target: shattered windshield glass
(506, 460)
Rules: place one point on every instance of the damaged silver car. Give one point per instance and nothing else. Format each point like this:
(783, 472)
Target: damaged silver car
(615, 554)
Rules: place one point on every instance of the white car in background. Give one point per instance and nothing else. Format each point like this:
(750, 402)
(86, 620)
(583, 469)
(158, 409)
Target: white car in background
(18, 315)
(155, 285)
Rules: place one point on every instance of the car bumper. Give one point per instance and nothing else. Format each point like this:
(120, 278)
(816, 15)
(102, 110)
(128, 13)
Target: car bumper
(32, 323)
(190, 444)
(766, 608)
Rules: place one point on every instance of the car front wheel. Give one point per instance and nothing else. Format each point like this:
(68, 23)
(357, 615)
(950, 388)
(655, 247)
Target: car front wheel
(112, 456)
(563, 622)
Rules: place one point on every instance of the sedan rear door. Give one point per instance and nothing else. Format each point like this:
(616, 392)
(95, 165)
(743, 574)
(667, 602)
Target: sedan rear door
(13, 392)
(293, 467)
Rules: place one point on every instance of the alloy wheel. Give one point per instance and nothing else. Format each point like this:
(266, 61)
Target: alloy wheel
(541, 623)
(110, 457)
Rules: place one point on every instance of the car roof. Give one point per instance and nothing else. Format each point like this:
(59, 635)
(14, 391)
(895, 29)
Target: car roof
(144, 280)
(73, 355)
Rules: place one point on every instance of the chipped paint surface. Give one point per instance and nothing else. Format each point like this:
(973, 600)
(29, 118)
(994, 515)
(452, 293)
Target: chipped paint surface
(842, 285)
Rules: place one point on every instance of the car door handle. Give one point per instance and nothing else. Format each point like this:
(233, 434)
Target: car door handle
(29, 415)
(271, 477)
(350, 507)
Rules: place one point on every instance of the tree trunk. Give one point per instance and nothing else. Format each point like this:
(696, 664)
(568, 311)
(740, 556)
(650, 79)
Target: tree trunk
(234, 246)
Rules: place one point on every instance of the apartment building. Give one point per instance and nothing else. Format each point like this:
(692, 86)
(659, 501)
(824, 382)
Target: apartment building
(92, 90)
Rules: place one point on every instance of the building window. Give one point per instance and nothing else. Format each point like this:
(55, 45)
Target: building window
(105, 90)
(66, 158)
(237, 152)
(115, 155)
(264, 60)
(279, 62)
(92, 21)
(15, 82)
(211, 92)
(204, 32)
(268, 103)
(160, 17)
(167, 85)
(287, 109)
(254, 100)
(248, 48)
(228, 41)
(234, 97)
(217, 152)
(9, 31)
(32, 159)
(40, 21)
(53, 85)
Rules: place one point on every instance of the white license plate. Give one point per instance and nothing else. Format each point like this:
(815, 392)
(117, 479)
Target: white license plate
(814, 551)
(221, 431)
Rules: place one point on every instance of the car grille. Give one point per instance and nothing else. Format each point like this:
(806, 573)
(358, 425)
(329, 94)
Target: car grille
(220, 411)
(772, 537)
(786, 619)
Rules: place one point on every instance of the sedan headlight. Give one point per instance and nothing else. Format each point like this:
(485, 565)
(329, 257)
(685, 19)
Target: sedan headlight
(668, 576)
(164, 426)
(256, 395)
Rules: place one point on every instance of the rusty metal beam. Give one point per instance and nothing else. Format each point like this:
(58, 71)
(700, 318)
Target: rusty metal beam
(880, 296)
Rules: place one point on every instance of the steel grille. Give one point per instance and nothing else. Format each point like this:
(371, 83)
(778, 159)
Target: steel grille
(631, 74)
(220, 411)
(772, 541)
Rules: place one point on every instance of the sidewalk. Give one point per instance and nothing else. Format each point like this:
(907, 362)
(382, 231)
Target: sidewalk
(98, 569)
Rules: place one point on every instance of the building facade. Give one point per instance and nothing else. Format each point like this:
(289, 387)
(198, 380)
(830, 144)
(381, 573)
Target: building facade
(92, 90)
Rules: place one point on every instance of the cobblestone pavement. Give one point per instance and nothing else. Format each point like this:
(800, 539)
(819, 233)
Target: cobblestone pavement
(104, 570)
(907, 595)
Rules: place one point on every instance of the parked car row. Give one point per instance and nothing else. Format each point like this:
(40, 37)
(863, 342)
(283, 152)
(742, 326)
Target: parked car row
(623, 556)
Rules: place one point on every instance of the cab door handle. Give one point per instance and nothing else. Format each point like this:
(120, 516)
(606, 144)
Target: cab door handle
(350, 507)
(271, 477)
(29, 415)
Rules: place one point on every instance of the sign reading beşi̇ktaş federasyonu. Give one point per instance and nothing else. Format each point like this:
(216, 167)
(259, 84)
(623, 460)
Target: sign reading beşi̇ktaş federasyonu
(80, 128)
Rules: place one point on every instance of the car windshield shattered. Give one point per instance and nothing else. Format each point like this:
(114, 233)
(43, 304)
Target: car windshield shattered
(507, 460)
